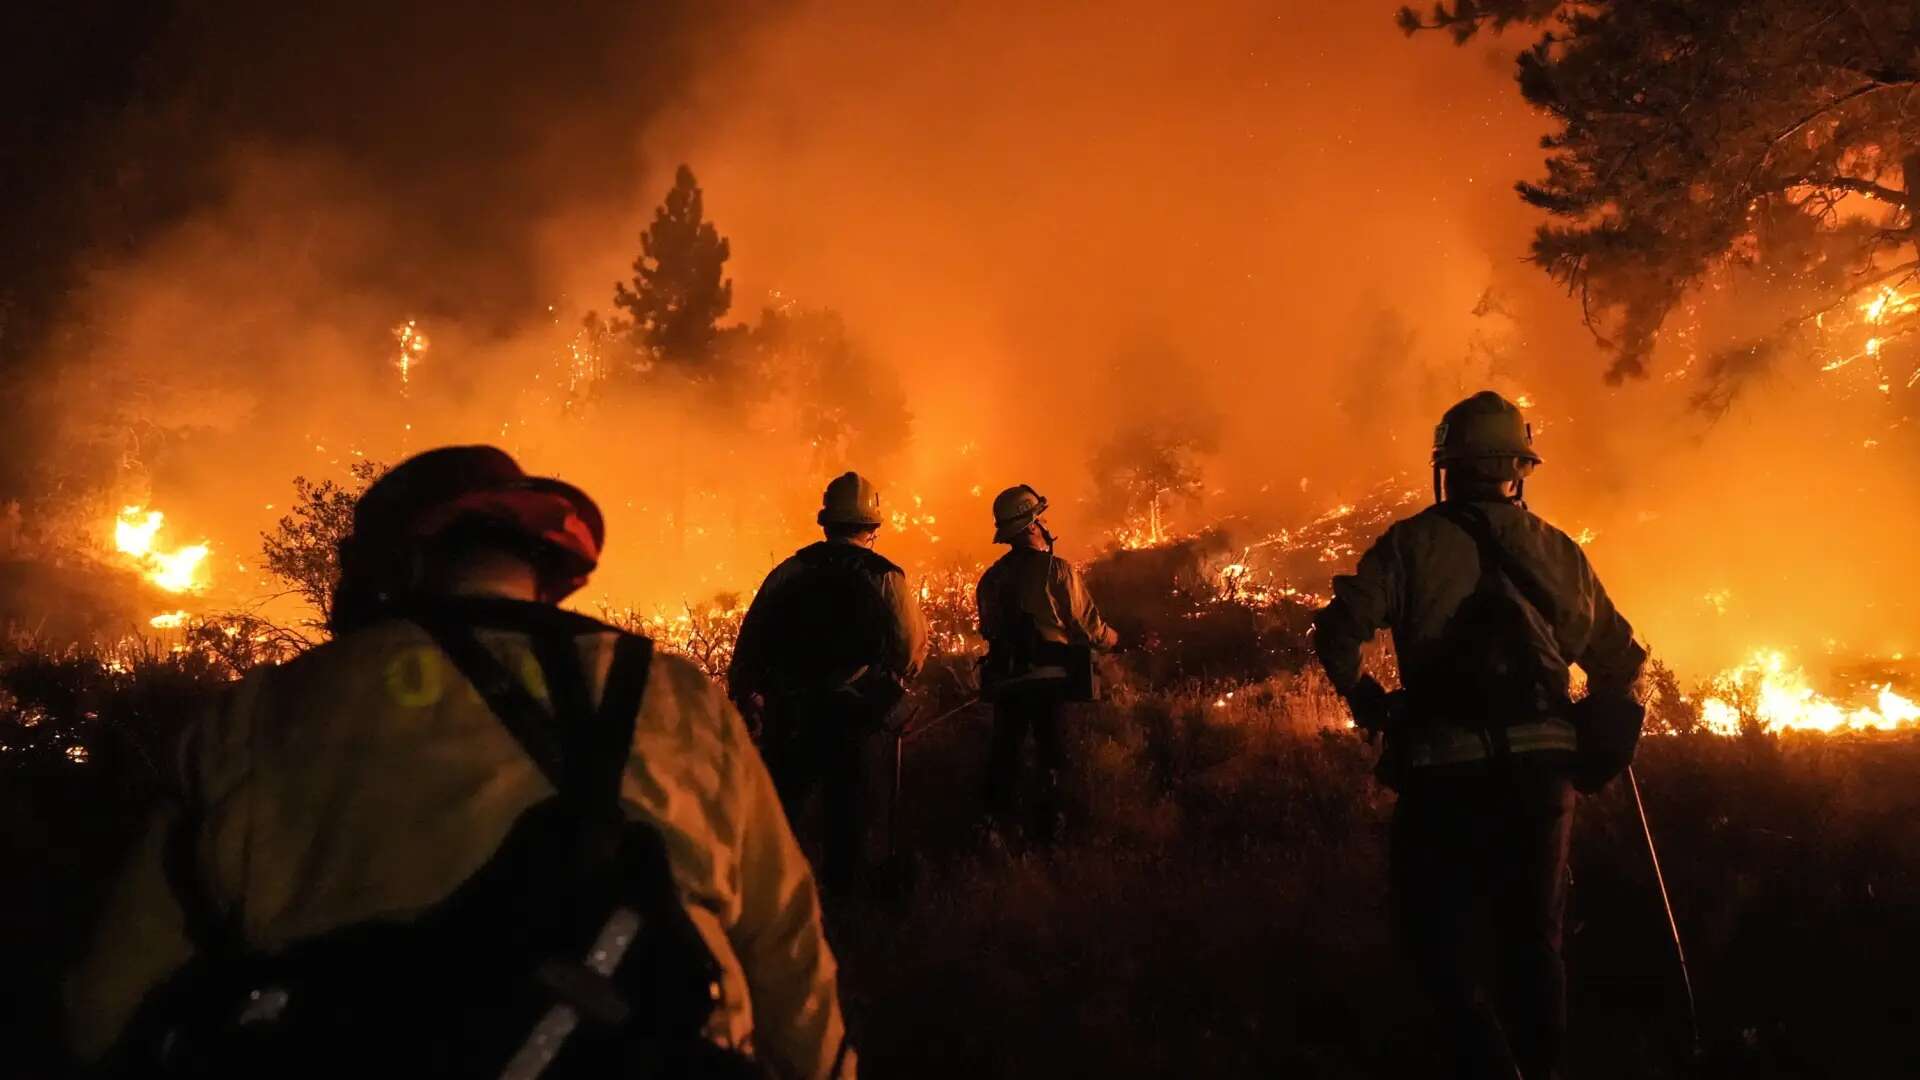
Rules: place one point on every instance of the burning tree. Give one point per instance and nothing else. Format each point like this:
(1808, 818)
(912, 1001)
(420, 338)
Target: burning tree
(1142, 467)
(679, 292)
(1697, 136)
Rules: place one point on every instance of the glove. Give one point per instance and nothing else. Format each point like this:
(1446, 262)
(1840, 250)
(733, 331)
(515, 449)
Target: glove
(1608, 727)
(1369, 702)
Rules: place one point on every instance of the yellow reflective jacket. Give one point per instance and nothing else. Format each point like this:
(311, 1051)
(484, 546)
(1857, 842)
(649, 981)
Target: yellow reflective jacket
(1424, 567)
(367, 780)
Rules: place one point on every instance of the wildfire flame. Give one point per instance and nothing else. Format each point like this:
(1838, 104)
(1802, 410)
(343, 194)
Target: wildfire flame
(1777, 694)
(1142, 530)
(1885, 316)
(176, 570)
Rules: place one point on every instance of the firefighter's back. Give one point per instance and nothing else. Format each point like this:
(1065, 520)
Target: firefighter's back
(463, 762)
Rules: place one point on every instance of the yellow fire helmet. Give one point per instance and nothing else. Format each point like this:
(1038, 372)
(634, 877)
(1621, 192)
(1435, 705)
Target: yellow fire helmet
(851, 499)
(1014, 509)
(1485, 425)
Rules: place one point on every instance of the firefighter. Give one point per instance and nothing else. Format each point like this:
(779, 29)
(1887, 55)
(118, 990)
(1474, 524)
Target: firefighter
(1488, 605)
(1041, 627)
(824, 656)
(472, 829)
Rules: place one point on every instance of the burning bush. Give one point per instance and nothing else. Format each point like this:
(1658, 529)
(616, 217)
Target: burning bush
(703, 633)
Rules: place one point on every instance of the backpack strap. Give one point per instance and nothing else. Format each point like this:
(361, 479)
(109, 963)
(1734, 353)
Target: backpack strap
(585, 758)
(1494, 556)
(592, 753)
(529, 722)
(609, 739)
(1496, 559)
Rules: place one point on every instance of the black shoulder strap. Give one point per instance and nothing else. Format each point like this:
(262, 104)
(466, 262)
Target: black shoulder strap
(511, 702)
(1493, 555)
(612, 729)
(585, 758)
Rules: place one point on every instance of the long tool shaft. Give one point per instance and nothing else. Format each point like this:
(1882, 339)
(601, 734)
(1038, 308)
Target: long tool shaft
(893, 800)
(1666, 901)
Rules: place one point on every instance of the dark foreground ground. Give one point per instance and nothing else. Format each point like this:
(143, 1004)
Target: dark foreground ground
(1216, 906)
(1217, 909)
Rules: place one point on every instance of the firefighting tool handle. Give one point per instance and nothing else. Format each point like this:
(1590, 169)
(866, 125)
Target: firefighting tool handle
(1673, 927)
(900, 736)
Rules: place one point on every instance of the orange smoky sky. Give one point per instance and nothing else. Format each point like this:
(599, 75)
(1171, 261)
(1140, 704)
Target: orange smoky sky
(1285, 225)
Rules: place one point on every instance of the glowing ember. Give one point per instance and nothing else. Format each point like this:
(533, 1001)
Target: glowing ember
(1888, 302)
(172, 620)
(917, 518)
(176, 569)
(1778, 695)
(413, 344)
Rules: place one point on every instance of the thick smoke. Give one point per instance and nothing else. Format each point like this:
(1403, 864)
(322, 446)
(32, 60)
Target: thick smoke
(1291, 228)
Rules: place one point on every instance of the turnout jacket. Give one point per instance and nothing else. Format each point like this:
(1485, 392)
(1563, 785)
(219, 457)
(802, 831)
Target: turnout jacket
(1424, 567)
(862, 615)
(1033, 582)
(366, 780)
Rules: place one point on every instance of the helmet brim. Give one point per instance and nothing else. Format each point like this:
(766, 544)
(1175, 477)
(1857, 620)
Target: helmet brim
(1444, 459)
(826, 518)
(1007, 532)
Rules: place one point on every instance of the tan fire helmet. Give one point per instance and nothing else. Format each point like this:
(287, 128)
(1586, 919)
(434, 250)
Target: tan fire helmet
(1485, 425)
(851, 499)
(1014, 509)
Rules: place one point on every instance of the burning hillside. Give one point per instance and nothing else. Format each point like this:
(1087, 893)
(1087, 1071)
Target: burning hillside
(327, 292)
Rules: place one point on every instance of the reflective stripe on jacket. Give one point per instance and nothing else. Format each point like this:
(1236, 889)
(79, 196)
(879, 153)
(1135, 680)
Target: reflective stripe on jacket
(1416, 576)
(367, 780)
(1423, 746)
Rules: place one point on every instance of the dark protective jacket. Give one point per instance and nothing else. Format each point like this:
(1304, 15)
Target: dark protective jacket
(368, 780)
(1029, 587)
(1416, 577)
(825, 617)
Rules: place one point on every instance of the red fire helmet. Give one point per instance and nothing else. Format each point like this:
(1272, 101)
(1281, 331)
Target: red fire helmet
(426, 495)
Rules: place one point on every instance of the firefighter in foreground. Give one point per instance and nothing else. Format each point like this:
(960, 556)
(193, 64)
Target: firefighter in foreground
(473, 835)
(1488, 606)
(1042, 629)
(824, 656)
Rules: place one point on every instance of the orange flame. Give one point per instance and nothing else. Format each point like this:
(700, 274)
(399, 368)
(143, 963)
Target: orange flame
(1776, 693)
(175, 570)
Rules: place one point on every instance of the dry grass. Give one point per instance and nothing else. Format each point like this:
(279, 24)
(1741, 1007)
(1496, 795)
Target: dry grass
(1215, 906)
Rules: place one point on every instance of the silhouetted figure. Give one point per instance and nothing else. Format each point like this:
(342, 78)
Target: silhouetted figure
(824, 656)
(1488, 605)
(1041, 627)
